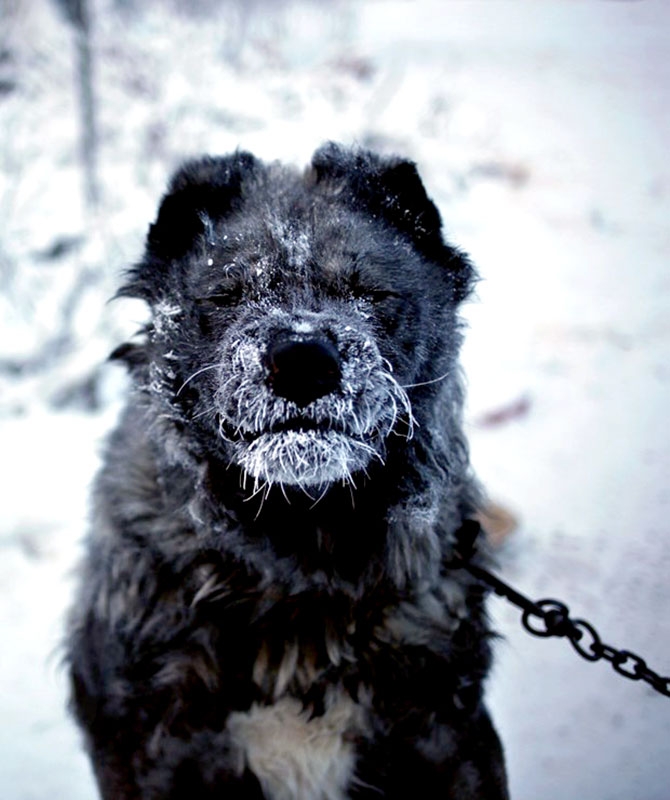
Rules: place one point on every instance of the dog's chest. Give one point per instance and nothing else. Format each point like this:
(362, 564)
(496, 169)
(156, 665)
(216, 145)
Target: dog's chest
(296, 757)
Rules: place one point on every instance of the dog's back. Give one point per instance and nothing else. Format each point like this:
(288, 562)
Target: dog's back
(267, 608)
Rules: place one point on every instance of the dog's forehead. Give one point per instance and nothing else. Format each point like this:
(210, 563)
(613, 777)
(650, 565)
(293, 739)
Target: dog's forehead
(290, 236)
(298, 232)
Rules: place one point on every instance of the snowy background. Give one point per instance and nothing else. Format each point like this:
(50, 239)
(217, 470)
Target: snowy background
(541, 129)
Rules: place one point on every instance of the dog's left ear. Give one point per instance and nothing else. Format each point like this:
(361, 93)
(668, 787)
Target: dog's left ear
(205, 189)
(392, 189)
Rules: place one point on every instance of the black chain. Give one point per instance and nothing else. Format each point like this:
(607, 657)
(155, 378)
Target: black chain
(546, 618)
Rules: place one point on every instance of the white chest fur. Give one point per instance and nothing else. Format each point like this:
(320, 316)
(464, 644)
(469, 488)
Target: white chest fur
(295, 757)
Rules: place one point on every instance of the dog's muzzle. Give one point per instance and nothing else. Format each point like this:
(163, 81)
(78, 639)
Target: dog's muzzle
(307, 407)
(303, 369)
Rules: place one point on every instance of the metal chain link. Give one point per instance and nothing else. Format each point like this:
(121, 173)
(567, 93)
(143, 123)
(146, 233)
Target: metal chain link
(546, 618)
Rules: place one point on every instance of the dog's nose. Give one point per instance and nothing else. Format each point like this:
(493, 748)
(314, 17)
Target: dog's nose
(302, 370)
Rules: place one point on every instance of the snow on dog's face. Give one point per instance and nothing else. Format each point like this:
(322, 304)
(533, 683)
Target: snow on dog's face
(290, 312)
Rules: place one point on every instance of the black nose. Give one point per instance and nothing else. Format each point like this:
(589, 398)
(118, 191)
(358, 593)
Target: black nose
(303, 370)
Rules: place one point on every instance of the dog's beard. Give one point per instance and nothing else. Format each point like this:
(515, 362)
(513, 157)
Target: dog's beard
(333, 438)
(305, 458)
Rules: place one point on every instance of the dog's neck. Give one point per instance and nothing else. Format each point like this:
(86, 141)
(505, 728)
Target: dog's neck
(394, 524)
(386, 526)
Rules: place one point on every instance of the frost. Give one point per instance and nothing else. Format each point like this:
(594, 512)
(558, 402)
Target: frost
(352, 423)
(595, 219)
(294, 241)
(165, 317)
(304, 458)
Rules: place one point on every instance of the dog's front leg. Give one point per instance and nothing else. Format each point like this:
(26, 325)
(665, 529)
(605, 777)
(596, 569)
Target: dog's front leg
(458, 759)
(199, 767)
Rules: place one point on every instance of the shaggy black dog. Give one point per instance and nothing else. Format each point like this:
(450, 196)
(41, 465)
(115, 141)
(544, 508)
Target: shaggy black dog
(267, 608)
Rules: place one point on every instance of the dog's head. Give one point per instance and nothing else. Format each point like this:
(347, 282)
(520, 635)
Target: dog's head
(294, 315)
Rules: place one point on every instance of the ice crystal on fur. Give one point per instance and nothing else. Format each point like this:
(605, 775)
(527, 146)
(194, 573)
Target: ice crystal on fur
(329, 440)
(268, 608)
(304, 458)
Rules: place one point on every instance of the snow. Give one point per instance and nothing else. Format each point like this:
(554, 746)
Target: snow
(541, 129)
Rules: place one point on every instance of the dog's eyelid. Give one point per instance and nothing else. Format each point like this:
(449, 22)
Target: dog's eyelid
(219, 299)
(375, 294)
(220, 292)
(363, 287)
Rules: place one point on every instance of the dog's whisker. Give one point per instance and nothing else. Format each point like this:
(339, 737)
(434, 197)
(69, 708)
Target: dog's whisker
(205, 412)
(265, 492)
(427, 383)
(324, 492)
(195, 375)
(284, 493)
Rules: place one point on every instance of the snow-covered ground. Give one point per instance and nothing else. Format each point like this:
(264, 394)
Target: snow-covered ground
(541, 129)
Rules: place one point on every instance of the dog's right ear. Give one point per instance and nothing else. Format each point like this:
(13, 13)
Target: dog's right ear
(206, 189)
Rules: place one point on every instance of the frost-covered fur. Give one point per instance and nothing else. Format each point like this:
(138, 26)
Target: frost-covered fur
(350, 426)
(267, 608)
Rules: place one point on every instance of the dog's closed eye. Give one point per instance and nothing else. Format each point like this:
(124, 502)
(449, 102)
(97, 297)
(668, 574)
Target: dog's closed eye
(221, 300)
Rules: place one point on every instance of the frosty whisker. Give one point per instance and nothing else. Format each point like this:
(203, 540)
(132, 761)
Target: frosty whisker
(195, 375)
(427, 383)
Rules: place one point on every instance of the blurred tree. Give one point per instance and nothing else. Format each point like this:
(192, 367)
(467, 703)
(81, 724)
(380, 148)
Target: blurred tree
(77, 12)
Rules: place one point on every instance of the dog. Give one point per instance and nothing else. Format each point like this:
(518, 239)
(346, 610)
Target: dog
(267, 607)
